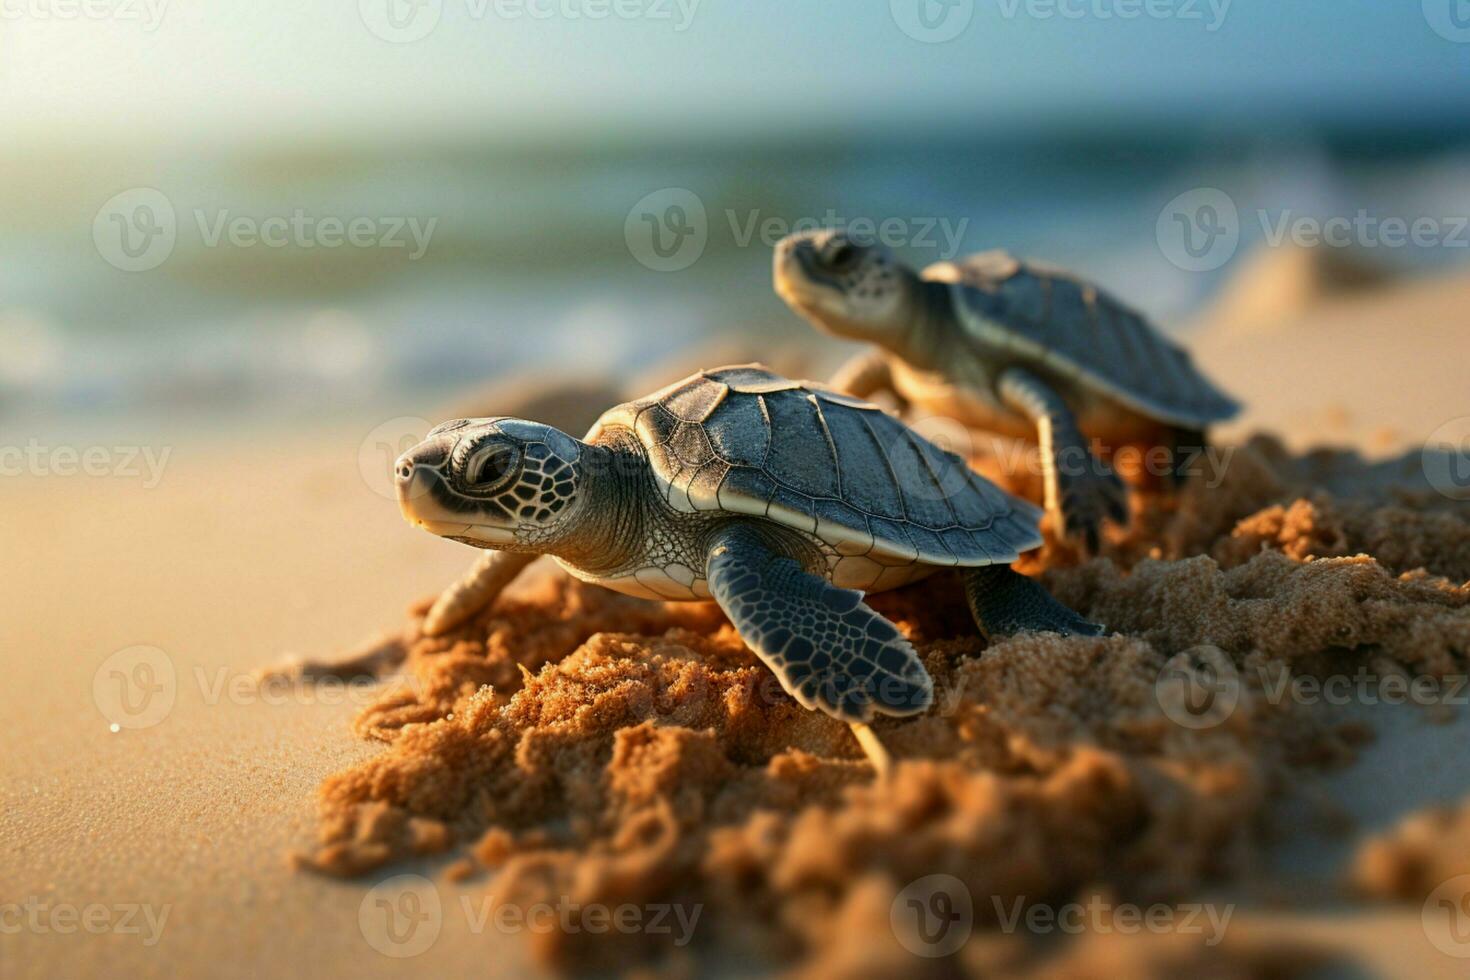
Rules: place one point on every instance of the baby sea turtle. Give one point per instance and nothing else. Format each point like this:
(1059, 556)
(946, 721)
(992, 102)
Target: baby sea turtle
(1013, 347)
(782, 500)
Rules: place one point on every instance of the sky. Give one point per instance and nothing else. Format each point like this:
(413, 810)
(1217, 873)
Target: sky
(245, 69)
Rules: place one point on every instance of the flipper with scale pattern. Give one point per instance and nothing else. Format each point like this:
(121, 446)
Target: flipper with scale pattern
(829, 650)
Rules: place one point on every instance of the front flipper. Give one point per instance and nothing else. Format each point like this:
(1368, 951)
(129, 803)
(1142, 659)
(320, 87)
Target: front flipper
(865, 375)
(829, 650)
(479, 587)
(1080, 491)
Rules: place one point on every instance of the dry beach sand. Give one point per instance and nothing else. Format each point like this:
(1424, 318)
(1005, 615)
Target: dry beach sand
(575, 747)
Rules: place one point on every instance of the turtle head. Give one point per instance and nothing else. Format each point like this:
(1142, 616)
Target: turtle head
(845, 284)
(499, 483)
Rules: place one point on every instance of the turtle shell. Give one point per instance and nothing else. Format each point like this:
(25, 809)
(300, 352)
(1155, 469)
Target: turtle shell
(1054, 320)
(743, 440)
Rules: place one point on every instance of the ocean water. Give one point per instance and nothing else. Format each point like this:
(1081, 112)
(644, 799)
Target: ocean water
(474, 262)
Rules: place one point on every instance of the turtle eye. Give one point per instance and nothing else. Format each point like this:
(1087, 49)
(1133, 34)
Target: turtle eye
(490, 466)
(842, 257)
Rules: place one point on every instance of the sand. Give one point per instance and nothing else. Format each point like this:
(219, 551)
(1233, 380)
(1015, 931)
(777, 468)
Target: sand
(647, 760)
(593, 748)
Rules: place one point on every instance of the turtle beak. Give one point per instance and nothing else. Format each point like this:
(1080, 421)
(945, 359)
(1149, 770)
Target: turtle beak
(806, 286)
(418, 476)
(792, 274)
(428, 501)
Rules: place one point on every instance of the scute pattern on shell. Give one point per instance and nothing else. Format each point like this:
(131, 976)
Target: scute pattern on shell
(1056, 320)
(747, 441)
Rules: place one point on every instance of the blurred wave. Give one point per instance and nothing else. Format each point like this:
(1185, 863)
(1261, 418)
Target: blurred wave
(528, 266)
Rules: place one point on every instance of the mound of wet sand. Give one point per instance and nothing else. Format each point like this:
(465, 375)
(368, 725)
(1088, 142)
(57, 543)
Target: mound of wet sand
(579, 746)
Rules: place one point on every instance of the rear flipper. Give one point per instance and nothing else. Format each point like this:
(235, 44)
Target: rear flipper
(1005, 602)
(829, 650)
